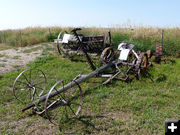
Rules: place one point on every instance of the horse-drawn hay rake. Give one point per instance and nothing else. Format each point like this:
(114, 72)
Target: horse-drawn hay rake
(64, 99)
(67, 42)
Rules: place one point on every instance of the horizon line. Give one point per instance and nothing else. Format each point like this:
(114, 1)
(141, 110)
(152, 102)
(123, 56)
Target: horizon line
(117, 26)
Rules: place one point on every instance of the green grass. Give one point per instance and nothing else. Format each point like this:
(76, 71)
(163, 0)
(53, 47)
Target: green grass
(134, 107)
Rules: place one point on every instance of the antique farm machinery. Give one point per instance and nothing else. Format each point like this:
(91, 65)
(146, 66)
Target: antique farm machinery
(64, 99)
(67, 43)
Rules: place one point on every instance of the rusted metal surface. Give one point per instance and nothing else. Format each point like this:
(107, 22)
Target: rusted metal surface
(149, 54)
(132, 60)
(107, 55)
(142, 64)
(159, 49)
(158, 53)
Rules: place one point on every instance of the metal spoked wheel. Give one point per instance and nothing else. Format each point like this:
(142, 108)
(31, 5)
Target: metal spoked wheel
(107, 39)
(64, 105)
(107, 55)
(29, 85)
(59, 43)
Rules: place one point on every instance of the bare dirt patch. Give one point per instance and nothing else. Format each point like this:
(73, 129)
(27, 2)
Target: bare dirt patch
(13, 59)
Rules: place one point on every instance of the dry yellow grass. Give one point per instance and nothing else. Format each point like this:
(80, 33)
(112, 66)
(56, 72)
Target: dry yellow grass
(140, 36)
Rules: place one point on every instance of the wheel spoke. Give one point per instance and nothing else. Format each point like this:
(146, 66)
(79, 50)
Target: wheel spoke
(35, 76)
(19, 94)
(30, 75)
(21, 82)
(39, 88)
(25, 77)
(72, 110)
(56, 114)
(60, 95)
(39, 83)
(30, 93)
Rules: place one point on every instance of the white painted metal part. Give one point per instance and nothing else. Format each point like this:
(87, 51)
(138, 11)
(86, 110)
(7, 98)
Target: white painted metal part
(123, 51)
(135, 54)
(120, 46)
(124, 54)
(66, 38)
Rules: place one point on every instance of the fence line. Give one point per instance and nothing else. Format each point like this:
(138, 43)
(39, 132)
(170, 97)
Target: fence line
(0, 37)
(21, 38)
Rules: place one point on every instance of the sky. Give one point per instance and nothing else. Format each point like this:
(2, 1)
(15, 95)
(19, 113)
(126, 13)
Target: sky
(18, 14)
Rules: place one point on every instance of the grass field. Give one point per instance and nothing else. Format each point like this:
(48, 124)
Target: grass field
(133, 107)
(144, 38)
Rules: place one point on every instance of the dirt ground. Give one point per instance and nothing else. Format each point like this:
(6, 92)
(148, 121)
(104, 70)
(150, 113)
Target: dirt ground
(13, 59)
